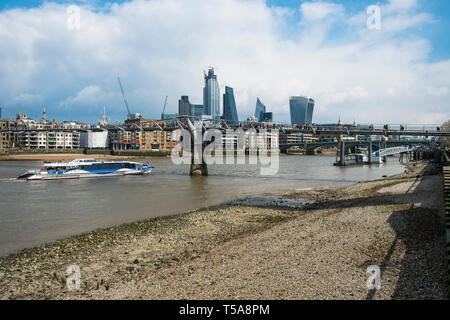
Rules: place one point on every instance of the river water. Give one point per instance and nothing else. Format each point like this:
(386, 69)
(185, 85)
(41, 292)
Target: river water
(32, 213)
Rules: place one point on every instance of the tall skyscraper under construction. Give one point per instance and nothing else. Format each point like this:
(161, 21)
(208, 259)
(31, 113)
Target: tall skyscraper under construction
(211, 95)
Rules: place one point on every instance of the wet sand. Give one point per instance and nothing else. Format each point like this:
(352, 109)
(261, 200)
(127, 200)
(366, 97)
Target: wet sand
(271, 251)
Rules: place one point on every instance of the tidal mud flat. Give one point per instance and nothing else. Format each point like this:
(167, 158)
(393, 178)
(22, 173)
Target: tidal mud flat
(258, 249)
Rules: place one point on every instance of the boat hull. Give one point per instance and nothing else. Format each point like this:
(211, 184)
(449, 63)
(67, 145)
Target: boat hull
(86, 174)
(86, 168)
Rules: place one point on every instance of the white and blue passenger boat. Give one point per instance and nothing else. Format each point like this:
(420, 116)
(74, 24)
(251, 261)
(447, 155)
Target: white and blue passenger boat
(86, 168)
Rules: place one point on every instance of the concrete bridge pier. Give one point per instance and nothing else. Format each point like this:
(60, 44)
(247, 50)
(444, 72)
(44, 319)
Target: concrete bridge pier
(198, 168)
(369, 150)
(198, 164)
(342, 153)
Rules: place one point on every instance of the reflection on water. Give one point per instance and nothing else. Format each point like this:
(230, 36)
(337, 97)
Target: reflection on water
(33, 213)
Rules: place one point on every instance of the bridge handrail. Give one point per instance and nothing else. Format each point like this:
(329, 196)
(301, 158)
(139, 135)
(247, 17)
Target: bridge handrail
(392, 150)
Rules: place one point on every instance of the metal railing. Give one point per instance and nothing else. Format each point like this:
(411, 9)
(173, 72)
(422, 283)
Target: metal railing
(393, 150)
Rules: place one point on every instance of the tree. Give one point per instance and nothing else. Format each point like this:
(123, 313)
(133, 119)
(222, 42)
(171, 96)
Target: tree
(445, 141)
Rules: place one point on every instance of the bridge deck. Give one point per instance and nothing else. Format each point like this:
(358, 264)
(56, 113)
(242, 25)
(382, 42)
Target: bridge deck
(283, 129)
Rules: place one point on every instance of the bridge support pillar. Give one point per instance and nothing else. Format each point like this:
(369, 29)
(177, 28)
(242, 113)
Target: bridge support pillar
(198, 164)
(198, 169)
(342, 153)
(370, 152)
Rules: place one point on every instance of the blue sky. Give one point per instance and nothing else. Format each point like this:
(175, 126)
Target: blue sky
(269, 50)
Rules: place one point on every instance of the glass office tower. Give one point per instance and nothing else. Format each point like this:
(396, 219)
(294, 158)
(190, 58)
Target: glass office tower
(211, 95)
(197, 110)
(267, 117)
(302, 109)
(169, 118)
(229, 106)
(260, 109)
(184, 106)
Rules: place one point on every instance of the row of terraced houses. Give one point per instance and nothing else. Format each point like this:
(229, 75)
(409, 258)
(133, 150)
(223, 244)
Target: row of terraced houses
(26, 133)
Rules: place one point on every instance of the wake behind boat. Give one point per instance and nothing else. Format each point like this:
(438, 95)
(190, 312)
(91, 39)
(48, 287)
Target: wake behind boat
(86, 168)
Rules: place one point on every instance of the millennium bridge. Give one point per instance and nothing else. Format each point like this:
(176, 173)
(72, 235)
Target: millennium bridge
(194, 124)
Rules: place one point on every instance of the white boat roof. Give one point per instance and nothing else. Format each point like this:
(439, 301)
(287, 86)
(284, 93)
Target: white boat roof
(82, 161)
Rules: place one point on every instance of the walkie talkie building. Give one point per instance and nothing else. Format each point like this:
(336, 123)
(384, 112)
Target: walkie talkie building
(302, 109)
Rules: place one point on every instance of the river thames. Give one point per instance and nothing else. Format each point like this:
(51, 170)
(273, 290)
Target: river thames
(33, 213)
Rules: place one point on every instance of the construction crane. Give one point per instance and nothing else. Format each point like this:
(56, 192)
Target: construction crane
(164, 108)
(210, 68)
(124, 99)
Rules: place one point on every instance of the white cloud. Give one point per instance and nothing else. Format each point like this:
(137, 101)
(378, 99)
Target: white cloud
(312, 11)
(401, 5)
(87, 96)
(27, 97)
(443, 91)
(160, 48)
(402, 22)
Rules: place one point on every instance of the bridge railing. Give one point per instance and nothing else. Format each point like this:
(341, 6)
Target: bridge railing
(393, 150)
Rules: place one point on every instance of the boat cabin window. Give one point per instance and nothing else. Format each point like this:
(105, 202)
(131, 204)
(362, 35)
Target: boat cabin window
(55, 168)
(106, 166)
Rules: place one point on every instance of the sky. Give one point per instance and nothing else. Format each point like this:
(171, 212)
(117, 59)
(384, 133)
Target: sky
(356, 69)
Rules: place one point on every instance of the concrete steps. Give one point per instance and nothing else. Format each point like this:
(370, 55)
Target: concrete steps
(446, 171)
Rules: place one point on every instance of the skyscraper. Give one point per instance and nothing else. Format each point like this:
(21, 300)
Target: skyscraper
(197, 110)
(184, 106)
(302, 109)
(260, 109)
(267, 117)
(211, 95)
(229, 106)
(169, 118)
